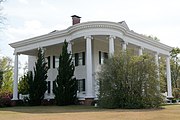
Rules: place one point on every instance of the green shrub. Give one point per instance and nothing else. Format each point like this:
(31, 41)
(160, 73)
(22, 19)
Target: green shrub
(128, 81)
(176, 93)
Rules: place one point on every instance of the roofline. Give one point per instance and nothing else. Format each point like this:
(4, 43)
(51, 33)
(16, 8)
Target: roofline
(91, 24)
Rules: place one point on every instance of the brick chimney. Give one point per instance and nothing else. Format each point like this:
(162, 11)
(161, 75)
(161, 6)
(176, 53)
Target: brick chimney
(75, 19)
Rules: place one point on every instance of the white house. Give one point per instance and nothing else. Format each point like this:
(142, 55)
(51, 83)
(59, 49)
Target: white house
(90, 43)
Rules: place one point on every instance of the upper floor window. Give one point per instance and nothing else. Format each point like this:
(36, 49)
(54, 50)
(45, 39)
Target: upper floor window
(102, 57)
(55, 62)
(79, 58)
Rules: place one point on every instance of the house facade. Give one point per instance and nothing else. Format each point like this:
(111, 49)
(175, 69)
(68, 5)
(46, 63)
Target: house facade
(89, 43)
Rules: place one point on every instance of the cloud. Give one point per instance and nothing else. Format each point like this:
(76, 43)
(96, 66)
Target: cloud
(47, 5)
(11, 34)
(23, 1)
(29, 29)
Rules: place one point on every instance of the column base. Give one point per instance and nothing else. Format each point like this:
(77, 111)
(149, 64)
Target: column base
(17, 102)
(170, 97)
(88, 101)
(14, 99)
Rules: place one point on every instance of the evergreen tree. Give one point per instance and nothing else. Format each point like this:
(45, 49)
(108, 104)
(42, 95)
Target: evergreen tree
(37, 83)
(65, 87)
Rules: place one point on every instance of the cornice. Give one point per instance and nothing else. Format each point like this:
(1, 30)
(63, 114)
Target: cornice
(147, 40)
(69, 31)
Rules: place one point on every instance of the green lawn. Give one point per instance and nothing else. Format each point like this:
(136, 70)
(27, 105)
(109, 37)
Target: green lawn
(169, 112)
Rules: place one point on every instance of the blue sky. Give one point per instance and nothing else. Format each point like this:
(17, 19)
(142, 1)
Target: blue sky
(29, 18)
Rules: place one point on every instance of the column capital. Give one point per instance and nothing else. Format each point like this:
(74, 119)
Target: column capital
(16, 53)
(88, 37)
(140, 47)
(112, 37)
(156, 53)
(167, 56)
(42, 48)
(125, 42)
(70, 43)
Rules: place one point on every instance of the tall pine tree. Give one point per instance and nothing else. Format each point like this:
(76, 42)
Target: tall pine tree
(37, 83)
(65, 87)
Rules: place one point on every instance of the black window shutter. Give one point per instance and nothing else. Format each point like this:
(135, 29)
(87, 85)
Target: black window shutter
(76, 59)
(83, 84)
(78, 85)
(53, 61)
(49, 86)
(54, 84)
(49, 61)
(100, 57)
(83, 57)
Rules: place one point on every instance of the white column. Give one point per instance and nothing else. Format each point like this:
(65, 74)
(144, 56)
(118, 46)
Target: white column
(111, 44)
(51, 80)
(157, 59)
(140, 52)
(69, 47)
(168, 73)
(51, 62)
(15, 82)
(157, 63)
(124, 46)
(89, 82)
(51, 87)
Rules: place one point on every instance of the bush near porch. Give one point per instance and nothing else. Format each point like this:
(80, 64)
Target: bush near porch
(128, 81)
(5, 98)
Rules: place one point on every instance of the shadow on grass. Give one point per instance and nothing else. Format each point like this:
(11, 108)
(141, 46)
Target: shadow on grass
(69, 109)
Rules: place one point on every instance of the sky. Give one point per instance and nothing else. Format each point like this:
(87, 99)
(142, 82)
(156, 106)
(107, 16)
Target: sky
(30, 18)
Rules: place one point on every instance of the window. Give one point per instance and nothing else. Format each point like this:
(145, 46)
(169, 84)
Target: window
(79, 58)
(55, 62)
(81, 85)
(102, 57)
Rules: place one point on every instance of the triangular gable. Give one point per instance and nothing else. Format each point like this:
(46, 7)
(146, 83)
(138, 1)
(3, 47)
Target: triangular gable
(123, 23)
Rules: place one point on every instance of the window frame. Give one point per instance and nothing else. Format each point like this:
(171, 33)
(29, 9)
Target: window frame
(79, 59)
(81, 85)
(102, 57)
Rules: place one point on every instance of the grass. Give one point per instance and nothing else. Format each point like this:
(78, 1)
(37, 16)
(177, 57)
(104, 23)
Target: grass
(88, 113)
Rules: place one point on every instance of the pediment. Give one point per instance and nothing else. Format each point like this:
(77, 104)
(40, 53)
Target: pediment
(124, 24)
